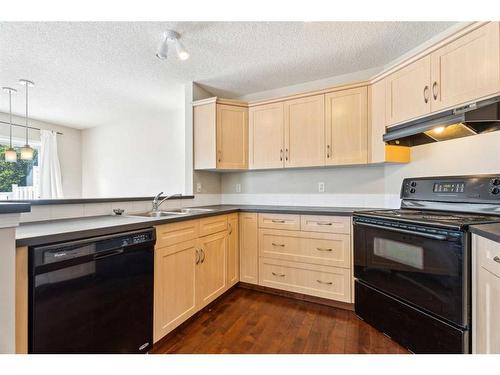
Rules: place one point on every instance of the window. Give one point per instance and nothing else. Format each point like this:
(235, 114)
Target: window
(20, 180)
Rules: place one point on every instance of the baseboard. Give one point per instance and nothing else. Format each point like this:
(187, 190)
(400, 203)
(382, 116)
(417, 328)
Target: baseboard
(298, 296)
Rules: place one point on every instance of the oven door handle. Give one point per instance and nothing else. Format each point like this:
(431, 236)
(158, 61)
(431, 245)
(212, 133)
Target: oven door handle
(438, 237)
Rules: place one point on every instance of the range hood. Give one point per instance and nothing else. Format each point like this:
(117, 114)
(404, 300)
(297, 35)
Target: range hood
(476, 118)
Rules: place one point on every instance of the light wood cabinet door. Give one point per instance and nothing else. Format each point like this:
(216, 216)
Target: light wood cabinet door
(485, 296)
(266, 136)
(174, 286)
(233, 251)
(232, 137)
(346, 117)
(408, 92)
(467, 68)
(204, 136)
(211, 278)
(305, 131)
(249, 252)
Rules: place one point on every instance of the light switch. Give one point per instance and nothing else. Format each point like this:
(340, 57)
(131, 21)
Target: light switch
(321, 187)
(238, 188)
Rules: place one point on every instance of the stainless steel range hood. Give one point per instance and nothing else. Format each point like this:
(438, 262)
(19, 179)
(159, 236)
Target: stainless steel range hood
(476, 118)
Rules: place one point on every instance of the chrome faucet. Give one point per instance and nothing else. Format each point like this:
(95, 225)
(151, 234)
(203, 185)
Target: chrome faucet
(157, 203)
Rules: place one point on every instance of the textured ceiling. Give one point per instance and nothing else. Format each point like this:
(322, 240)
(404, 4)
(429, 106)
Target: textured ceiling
(98, 73)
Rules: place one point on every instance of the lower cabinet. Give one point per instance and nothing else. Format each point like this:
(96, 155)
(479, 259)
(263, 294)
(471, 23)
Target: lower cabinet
(485, 296)
(249, 248)
(199, 264)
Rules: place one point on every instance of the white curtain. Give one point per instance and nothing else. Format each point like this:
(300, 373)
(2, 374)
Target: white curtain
(50, 169)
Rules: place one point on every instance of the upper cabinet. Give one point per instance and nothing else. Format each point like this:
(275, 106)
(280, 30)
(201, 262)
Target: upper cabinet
(346, 126)
(378, 151)
(467, 68)
(305, 131)
(461, 71)
(408, 92)
(220, 134)
(266, 136)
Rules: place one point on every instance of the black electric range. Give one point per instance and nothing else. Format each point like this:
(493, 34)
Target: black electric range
(412, 265)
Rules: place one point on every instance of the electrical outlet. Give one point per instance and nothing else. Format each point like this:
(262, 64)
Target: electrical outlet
(198, 187)
(238, 188)
(321, 187)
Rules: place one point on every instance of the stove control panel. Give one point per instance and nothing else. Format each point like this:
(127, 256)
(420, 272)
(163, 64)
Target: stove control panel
(471, 189)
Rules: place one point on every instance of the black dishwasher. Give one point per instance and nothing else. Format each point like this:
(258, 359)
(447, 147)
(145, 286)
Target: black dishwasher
(93, 295)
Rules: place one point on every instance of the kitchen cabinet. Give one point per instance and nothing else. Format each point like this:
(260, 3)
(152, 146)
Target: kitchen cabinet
(249, 251)
(408, 93)
(346, 117)
(220, 134)
(233, 251)
(467, 68)
(305, 131)
(486, 296)
(266, 136)
(174, 289)
(378, 151)
(211, 272)
(191, 268)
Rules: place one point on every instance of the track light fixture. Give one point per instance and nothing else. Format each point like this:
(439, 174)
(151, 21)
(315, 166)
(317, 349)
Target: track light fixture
(172, 37)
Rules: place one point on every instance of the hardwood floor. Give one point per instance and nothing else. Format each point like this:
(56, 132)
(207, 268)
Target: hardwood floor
(246, 321)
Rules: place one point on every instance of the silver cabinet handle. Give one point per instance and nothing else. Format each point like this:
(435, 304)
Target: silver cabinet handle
(278, 221)
(320, 223)
(324, 282)
(219, 153)
(327, 151)
(278, 244)
(434, 93)
(197, 256)
(496, 259)
(278, 274)
(202, 256)
(230, 228)
(281, 154)
(323, 249)
(426, 94)
(286, 154)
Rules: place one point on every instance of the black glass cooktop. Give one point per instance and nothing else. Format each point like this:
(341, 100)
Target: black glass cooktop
(432, 217)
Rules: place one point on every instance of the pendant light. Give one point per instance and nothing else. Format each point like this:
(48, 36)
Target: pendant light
(26, 151)
(10, 154)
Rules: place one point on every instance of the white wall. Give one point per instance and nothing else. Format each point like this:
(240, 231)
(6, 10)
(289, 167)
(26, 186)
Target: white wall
(68, 147)
(135, 159)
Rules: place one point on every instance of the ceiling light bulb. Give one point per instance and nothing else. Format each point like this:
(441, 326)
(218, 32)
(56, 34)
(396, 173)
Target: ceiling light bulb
(11, 155)
(438, 130)
(162, 51)
(181, 51)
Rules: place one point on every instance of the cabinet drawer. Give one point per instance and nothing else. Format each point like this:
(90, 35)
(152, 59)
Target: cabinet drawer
(279, 221)
(328, 224)
(171, 234)
(315, 248)
(213, 224)
(321, 281)
(488, 254)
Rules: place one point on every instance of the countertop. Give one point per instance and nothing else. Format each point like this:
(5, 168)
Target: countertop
(489, 231)
(39, 233)
(12, 208)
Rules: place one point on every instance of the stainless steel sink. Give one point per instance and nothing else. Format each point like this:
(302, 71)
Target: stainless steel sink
(174, 212)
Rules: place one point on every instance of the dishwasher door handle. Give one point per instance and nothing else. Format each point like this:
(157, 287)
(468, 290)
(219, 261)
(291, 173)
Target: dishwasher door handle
(106, 254)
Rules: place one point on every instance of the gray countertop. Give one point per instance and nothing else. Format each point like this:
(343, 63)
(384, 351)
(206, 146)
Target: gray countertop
(490, 231)
(11, 208)
(39, 233)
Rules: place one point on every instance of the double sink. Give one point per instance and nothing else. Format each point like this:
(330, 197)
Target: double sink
(174, 212)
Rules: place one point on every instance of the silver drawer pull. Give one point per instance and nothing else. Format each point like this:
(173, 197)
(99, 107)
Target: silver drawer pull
(278, 244)
(278, 274)
(318, 223)
(278, 221)
(325, 282)
(496, 259)
(323, 249)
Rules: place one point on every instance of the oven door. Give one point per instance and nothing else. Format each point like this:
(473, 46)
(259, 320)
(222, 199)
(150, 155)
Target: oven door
(427, 270)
